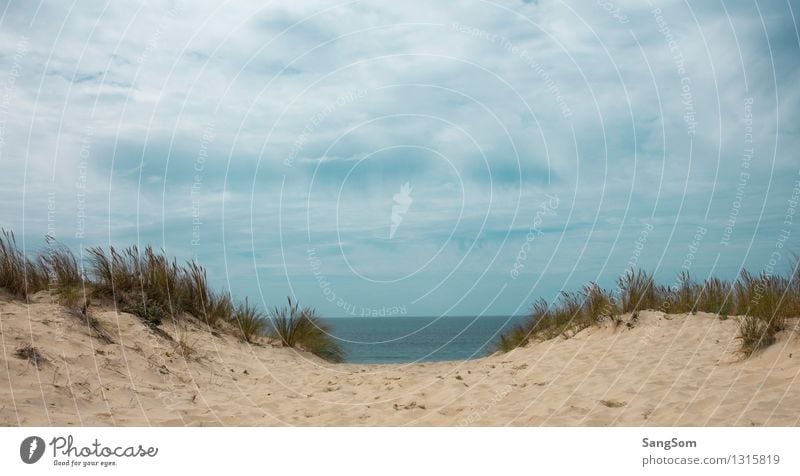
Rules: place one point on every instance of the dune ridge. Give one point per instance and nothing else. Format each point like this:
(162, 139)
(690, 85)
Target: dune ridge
(662, 370)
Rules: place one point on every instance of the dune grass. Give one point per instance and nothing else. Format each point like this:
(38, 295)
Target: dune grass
(685, 296)
(764, 303)
(637, 291)
(294, 326)
(249, 321)
(62, 265)
(153, 287)
(20, 274)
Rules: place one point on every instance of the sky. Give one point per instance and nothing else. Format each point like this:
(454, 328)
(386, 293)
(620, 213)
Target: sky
(407, 158)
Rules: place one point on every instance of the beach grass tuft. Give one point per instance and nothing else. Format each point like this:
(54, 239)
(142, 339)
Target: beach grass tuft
(249, 321)
(295, 326)
(19, 274)
(638, 291)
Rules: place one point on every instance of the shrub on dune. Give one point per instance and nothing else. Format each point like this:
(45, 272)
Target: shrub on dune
(294, 326)
(754, 335)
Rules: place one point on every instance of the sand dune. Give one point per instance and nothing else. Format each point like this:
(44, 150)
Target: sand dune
(664, 370)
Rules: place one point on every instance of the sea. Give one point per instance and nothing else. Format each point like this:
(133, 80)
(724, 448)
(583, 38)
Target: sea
(384, 340)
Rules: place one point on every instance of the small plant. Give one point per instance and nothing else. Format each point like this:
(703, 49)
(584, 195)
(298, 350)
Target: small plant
(754, 334)
(249, 321)
(184, 345)
(151, 313)
(294, 326)
(766, 302)
(32, 355)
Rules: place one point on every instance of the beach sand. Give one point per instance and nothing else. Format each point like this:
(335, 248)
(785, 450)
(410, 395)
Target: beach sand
(664, 370)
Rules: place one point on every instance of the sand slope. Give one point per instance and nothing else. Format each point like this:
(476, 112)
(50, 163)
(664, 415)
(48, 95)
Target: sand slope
(666, 370)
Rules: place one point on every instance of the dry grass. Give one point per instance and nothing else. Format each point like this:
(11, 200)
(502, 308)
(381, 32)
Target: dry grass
(754, 335)
(686, 296)
(716, 296)
(32, 355)
(151, 286)
(19, 274)
(184, 344)
(62, 265)
(155, 288)
(599, 303)
(638, 291)
(81, 311)
(517, 336)
(764, 301)
(249, 321)
(294, 326)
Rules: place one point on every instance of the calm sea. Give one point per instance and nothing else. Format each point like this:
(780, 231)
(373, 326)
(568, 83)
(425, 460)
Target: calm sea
(417, 339)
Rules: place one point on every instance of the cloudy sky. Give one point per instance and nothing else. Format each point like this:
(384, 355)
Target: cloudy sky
(417, 157)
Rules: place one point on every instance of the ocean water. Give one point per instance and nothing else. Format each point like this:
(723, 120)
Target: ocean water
(417, 339)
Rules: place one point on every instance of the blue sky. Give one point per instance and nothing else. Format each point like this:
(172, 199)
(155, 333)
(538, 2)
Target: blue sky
(544, 144)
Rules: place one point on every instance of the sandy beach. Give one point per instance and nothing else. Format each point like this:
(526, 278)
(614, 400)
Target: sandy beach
(665, 370)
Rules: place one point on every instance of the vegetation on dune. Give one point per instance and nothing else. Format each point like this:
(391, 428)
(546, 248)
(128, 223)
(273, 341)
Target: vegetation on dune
(154, 288)
(62, 265)
(18, 273)
(249, 321)
(294, 326)
(764, 301)
(637, 291)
